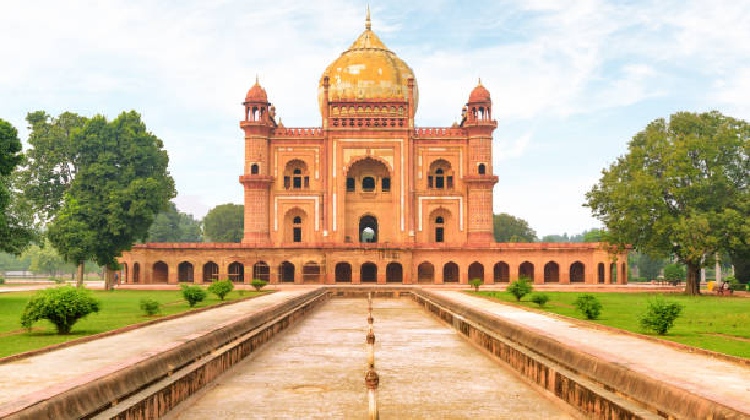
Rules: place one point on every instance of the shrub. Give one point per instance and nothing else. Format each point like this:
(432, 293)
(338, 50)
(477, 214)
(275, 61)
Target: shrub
(258, 284)
(2, 280)
(475, 283)
(221, 288)
(540, 299)
(193, 294)
(589, 306)
(520, 288)
(660, 315)
(62, 306)
(150, 306)
(674, 273)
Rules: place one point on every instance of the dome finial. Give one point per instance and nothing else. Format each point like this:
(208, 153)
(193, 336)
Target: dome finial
(368, 24)
(480, 82)
(257, 79)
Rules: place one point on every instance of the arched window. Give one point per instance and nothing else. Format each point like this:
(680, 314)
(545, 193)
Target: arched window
(368, 184)
(297, 229)
(440, 175)
(439, 229)
(481, 169)
(296, 175)
(254, 169)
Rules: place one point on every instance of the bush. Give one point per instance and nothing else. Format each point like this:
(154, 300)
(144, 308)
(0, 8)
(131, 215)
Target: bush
(2, 280)
(193, 294)
(520, 288)
(589, 305)
(660, 315)
(150, 306)
(540, 299)
(62, 306)
(258, 284)
(475, 283)
(674, 273)
(221, 288)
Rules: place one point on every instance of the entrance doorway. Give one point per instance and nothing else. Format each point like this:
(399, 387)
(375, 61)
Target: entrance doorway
(368, 229)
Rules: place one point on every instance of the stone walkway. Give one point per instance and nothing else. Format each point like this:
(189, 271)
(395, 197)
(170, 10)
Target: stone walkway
(35, 378)
(316, 369)
(715, 379)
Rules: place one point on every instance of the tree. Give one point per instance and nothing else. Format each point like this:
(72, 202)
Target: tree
(594, 235)
(15, 232)
(225, 223)
(121, 182)
(647, 267)
(221, 288)
(45, 259)
(512, 229)
(681, 190)
(172, 225)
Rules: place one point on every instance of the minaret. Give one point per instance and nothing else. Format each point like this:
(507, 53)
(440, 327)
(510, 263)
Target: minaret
(258, 125)
(479, 178)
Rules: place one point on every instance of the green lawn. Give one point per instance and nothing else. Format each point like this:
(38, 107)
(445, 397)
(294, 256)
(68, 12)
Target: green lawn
(119, 308)
(720, 324)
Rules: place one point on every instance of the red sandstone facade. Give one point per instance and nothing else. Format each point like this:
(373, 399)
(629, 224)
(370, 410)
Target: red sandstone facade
(368, 197)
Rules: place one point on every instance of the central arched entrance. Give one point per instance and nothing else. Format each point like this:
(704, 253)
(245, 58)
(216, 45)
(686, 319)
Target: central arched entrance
(368, 229)
(394, 273)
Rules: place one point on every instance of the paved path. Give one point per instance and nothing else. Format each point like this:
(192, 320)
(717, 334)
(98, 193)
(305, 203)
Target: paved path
(316, 369)
(715, 379)
(33, 378)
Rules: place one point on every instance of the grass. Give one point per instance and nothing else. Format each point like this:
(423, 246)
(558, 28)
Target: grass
(720, 324)
(119, 308)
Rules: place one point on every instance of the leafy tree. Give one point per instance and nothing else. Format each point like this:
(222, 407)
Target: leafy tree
(15, 234)
(594, 235)
(512, 229)
(172, 225)
(681, 190)
(674, 273)
(225, 223)
(740, 256)
(121, 182)
(647, 267)
(45, 259)
(62, 306)
(221, 288)
(520, 288)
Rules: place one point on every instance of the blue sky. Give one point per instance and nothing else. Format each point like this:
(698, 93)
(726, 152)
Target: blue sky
(571, 81)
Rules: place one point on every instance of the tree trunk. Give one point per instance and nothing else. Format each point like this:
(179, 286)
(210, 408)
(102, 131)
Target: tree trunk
(693, 282)
(79, 273)
(109, 283)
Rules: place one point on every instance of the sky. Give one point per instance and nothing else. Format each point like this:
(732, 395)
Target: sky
(571, 81)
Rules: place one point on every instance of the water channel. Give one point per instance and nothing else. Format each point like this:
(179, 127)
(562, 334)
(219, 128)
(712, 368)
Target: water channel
(316, 369)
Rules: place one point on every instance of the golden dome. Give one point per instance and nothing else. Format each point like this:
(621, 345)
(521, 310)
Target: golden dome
(367, 70)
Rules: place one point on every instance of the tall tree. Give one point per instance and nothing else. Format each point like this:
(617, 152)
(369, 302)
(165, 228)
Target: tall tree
(512, 229)
(225, 223)
(45, 259)
(121, 182)
(172, 225)
(681, 190)
(15, 234)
